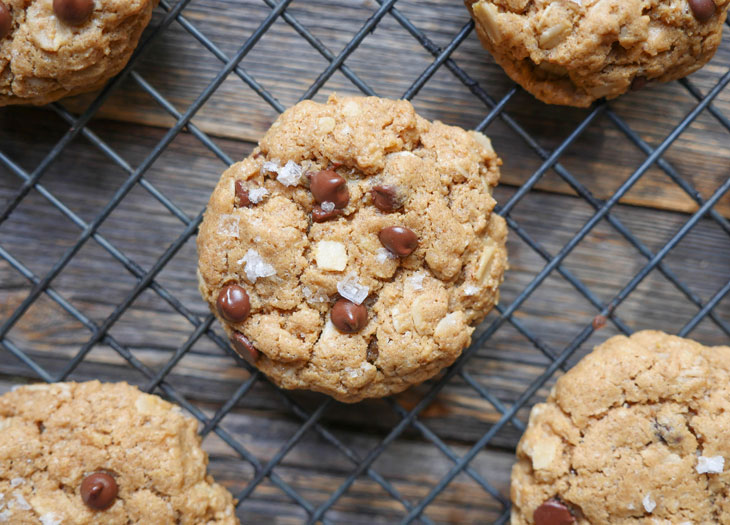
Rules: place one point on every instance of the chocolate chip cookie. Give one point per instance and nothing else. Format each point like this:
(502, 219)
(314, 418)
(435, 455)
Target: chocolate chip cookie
(354, 251)
(50, 49)
(637, 432)
(573, 52)
(82, 453)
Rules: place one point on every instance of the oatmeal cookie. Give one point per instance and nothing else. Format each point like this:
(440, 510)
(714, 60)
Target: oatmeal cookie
(93, 453)
(573, 52)
(636, 433)
(51, 49)
(354, 251)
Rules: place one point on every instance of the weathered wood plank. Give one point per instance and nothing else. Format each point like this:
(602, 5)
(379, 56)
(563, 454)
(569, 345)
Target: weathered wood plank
(179, 67)
(95, 283)
(142, 229)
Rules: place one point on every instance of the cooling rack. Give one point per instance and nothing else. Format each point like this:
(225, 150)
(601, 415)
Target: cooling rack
(618, 219)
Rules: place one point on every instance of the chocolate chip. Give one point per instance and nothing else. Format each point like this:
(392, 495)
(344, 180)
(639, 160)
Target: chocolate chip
(319, 215)
(385, 198)
(349, 317)
(638, 83)
(398, 240)
(244, 347)
(553, 512)
(99, 490)
(599, 322)
(6, 20)
(233, 304)
(328, 186)
(702, 9)
(73, 12)
(242, 195)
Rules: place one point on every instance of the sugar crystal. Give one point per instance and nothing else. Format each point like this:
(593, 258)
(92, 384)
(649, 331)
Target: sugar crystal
(470, 289)
(270, 167)
(256, 194)
(416, 281)
(290, 174)
(351, 289)
(20, 500)
(256, 266)
(383, 255)
(228, 226)
(649, 503)
(50, 518)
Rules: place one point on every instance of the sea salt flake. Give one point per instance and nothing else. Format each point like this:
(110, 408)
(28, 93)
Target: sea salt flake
(20, 500)
(470, 289)
(327, 206)
(383, 255)
(256, 266)
(649, 503)
(290, 174)
(228, 226)
(314, 297)
(4, 515)
(270, 167)
(710, 465)
(16, 481)
(416, 281)
(353, 372)
(50, 518)
(256, 194)
(351, 289)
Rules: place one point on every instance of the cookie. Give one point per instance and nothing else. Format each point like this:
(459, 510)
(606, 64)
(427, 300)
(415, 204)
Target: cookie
(354, 251)
(51, 49)
(83, 453)
(573, 52)
(636, 433)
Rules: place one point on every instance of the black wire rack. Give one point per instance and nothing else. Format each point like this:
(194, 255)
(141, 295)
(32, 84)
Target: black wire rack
(310, 416)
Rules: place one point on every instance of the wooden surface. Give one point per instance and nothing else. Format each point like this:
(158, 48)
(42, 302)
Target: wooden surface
(177, 66)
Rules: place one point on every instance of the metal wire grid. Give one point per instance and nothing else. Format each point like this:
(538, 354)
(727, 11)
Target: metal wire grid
(495, 109)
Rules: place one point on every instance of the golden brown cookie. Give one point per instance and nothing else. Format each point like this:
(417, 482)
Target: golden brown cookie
(354, 251)
(573, 52)
(93, 453)
(636, 433)
(50, 49)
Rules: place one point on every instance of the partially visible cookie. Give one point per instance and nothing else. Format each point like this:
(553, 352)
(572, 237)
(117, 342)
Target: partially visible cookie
(83, 453)
(50, 49)
(355, 250)
(573, 52)
(636, 433)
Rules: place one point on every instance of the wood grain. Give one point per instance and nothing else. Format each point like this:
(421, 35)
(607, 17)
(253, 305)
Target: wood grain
(390, 59)
(131, 123)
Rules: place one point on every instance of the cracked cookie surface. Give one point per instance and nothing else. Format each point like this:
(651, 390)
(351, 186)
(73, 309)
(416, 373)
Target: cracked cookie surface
(573, 52)
(58, 441)
(44, 58)
(355, 249)
(635, 433)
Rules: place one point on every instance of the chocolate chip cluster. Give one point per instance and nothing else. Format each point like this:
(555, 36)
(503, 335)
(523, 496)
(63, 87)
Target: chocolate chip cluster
(331, 196)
